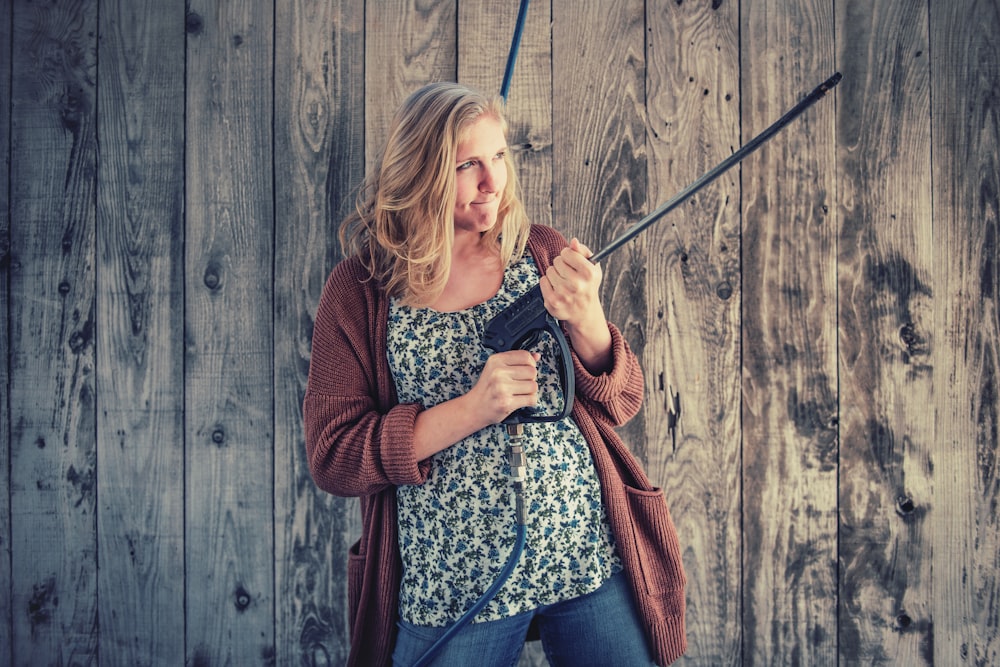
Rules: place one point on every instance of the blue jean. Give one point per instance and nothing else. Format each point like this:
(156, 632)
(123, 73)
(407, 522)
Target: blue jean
(598, 629)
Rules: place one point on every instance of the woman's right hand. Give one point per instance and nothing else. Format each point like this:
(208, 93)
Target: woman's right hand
(508, 383)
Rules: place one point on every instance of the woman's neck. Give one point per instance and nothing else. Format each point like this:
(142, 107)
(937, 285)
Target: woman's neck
(475, 275)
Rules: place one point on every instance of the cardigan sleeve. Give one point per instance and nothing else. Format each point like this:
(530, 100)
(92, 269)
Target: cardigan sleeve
(616, 395)
(358, 441)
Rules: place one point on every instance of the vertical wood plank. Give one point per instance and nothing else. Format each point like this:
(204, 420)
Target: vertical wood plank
(228, 334)
(965, 108)
(140, 218)
(789, 339)
(886, 333)
(599, 159)
(529, 101)
(407, 44)
(693, 321)
(6, 629)
(52, 321)
(319, 153)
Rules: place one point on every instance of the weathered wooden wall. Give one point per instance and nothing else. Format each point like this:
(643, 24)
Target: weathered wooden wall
(825, 317)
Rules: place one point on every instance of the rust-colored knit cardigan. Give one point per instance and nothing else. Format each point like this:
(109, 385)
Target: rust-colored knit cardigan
(358, 442)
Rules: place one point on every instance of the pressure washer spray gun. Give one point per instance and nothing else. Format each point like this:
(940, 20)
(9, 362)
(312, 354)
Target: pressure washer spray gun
(524, 322)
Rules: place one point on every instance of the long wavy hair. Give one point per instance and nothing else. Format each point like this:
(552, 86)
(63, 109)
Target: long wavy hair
(403, 225)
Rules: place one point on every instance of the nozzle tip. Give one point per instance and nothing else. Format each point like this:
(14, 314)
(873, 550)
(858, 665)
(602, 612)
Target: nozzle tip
(832, 81)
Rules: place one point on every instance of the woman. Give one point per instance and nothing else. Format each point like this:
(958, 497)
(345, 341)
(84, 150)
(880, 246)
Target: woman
(404, 404)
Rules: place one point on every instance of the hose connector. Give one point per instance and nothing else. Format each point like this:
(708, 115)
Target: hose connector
(518, 469)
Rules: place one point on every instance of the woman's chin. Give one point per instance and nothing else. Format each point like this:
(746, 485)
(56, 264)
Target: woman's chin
(480, 223)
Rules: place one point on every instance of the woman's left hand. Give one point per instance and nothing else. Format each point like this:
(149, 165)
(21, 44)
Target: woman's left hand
(571, 292)
(570, 287)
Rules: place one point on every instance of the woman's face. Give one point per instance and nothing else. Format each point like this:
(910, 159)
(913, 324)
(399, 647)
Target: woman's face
(481, 175)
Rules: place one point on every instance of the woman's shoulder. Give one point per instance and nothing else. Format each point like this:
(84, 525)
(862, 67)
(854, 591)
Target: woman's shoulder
(351, 274)
(349, 286)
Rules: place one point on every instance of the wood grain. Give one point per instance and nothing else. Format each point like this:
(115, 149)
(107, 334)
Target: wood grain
(140, 233)
(693, 309)
(407, 44)
(229, 401)
(6, 634)
(319, 159)
(599, 160)
(886, 327)
(966, 182)
(827, 311)
(52, 327)
(789, 344)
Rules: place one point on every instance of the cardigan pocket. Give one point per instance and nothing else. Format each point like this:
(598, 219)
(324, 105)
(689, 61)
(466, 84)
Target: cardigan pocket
(656, 543)
(355, 579)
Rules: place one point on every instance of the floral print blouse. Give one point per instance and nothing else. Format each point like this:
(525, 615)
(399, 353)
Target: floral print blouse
(457, 529)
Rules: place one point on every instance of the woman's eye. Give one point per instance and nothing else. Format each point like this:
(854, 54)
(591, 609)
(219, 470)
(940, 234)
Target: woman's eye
(466, 165)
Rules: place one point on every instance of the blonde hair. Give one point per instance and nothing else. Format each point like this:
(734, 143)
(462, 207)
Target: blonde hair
(403, 226)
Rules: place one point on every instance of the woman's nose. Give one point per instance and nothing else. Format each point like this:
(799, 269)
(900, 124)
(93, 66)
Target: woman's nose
(491, 177)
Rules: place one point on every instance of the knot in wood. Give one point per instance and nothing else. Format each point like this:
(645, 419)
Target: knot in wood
(242, 599)
(78, 341)
(905, 505)
(74, 106)
(193, 23)
(212, 279)
(908, 334)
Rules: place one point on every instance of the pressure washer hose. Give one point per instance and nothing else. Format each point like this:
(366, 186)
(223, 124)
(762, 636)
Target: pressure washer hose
(518, 475)
(515, 555)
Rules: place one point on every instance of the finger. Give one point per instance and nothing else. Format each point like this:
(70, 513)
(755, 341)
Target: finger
(517, 357)
(518, 366)
(576, 246)
(575, 259)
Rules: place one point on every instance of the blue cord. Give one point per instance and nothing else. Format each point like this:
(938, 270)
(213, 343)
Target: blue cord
(481, 602)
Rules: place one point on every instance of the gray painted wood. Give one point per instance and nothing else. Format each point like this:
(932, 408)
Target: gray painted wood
(139, 335)
(319, 159)
(228, 335)
(965, 133)
(789, 340)
(6, 640)
(52, 389)
(886, 328)
(693, 288)
(826, 311)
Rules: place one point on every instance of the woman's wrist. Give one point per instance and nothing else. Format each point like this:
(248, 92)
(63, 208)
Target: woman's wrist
(592, 343)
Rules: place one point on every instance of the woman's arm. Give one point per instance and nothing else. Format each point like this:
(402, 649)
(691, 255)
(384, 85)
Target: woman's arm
(570, 289)
(358, 440)
(608, 375)
(615, 396)
(508, 383)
